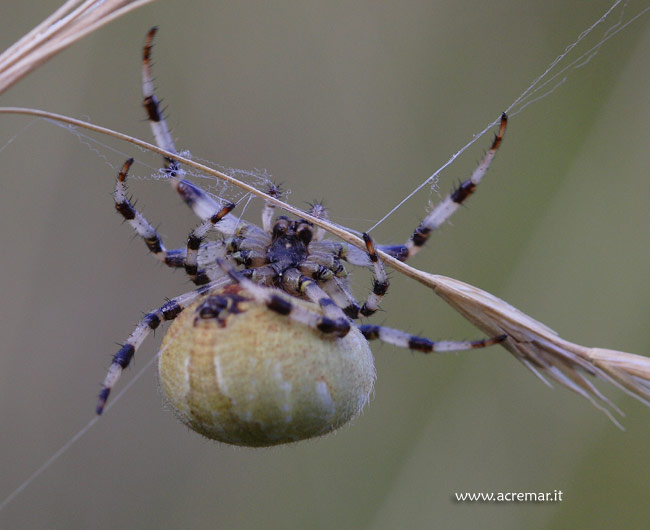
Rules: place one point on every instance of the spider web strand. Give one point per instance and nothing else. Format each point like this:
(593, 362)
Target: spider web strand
(533, 88)
(76, 437)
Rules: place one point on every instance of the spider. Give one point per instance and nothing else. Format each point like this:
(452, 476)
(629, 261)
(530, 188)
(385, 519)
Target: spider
(268, 349)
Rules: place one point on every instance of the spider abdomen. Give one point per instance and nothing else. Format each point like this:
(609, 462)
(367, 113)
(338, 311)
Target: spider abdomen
(237, 372)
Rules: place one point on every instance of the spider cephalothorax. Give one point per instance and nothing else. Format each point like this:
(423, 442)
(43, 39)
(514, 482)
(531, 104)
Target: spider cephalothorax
(267, 349)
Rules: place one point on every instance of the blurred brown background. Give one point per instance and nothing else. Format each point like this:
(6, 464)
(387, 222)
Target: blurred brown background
(355, 103)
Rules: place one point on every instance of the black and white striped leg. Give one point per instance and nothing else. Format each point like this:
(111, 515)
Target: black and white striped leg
(187, 258)
(318, 210)
(275, 301)
(249, 247)
(152, 106)
(265, 275)
(299, 284)
(142, 227)
(402, 339)
(379, 283)
(198, 200)
(445, 209)
(269, 209)
(316, 271)
(195, 240)
(150, 322)
(337, 290)
(333, 249)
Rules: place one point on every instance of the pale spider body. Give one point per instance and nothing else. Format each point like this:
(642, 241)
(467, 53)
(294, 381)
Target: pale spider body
(229, 367)
(267, 348)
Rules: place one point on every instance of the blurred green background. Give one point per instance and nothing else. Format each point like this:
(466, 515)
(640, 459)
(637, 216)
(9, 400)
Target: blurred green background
(355, 103)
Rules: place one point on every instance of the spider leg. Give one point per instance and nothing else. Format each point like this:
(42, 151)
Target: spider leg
(379, 283)
(329, 249)
(449, 204)
(316, 270)
(150, 322)
(140, 225)
(195, 242)
(398, 337)
(269, 209)
(295, 282)
(265, 275)
(338, 290)
(328, 254)
(152, 106)
(422, 344)
(187, 258)
(318, 210)
(324, 261)
(249, 246)
(273, 299)
(202, 204)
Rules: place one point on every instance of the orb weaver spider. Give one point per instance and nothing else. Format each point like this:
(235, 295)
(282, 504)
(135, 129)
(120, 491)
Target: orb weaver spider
(266, 349)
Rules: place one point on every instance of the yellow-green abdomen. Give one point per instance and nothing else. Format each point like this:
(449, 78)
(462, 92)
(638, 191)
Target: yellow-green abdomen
(256, 378)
